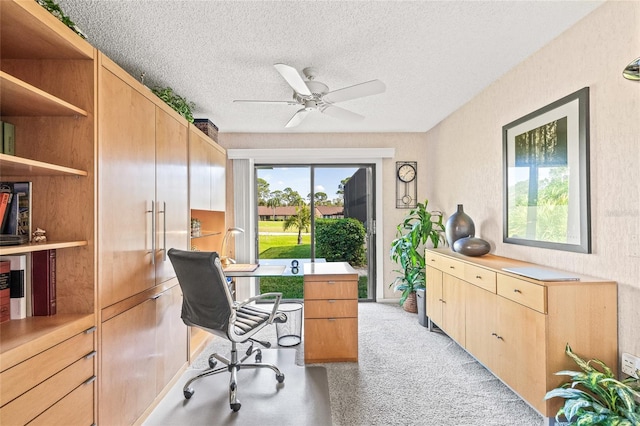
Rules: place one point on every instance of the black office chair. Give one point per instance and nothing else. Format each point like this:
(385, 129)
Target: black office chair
(207, 303)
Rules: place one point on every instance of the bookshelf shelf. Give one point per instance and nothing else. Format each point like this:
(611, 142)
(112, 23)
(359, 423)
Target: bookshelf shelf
(22, 99)
(17, 166)
(31, 247)
(207, 234)
(48, 37)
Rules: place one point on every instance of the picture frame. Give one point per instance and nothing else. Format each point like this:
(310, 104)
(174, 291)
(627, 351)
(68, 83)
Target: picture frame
(546, 176)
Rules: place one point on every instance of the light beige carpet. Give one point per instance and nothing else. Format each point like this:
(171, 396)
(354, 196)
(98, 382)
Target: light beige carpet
(303, 398)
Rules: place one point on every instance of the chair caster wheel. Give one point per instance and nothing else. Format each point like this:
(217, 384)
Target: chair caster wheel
(188, 393)
(235, 407)
(259, 358)
(212, 362)
(280, 378)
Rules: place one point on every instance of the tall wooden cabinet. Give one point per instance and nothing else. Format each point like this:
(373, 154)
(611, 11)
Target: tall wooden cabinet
(518, 327)
(47, 90)
(143, 211)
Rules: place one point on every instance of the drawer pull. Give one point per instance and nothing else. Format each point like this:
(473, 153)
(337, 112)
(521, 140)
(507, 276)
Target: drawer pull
(494, 334)
(452, 267)
(155, 296)
(500, 338)
(90, 330)
(90, 355)
(515, 290)
(479, 277)
(331, 282)
(90, 380)
(331, 301)
(331, 319)
(433, 260)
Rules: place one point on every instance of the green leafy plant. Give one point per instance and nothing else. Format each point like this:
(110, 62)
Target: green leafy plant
(181, 105)
(341, 240)
(56, 11)
(595, 397)
(407, 249)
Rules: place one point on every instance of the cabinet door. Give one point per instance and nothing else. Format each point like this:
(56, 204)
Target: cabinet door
(172, 212)
(199, 171)
(480, 336)
(434, 295)
(521, 351)
(128, 374)
(126, 188)
(218, 176)
(171, 336)
(453, 309)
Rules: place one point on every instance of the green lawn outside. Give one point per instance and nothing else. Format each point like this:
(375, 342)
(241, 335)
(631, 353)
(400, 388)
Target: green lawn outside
(286, 247)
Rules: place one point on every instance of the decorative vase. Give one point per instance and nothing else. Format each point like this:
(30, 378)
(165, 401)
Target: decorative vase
(471, 246)
(411, 303)
(459, 225)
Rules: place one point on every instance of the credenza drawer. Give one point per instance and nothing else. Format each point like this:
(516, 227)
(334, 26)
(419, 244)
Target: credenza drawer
(453, 267)
(331, 308)
(481, 277)
(32, 403)
(330, 340)
(24, 376)
(330, 289)
(524, 292)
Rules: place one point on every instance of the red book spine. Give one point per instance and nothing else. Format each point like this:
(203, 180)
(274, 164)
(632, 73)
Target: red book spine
(43, 276)
(5, 305)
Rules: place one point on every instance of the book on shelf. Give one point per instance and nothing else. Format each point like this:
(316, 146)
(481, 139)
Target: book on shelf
(8, 138)
(18, 283)
(5, 274)
(18, 221)
(5, 305)
(2, 137)
(5, 201)
(43, 275)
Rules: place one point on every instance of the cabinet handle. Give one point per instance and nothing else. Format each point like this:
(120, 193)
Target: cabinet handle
(155, 296)
(331, 319)
(89, 380)
(331, 301)
(452, 267)
(500, 338)
(433, 260)
(90, 330)
(153, 232)
(494, 334)
(479, 277)
(331, 282)
(90, 355)
(163, 212)
(515, 290)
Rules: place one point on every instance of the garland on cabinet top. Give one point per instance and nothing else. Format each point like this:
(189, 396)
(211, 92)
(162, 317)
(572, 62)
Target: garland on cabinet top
(56, 11)
(181, 105)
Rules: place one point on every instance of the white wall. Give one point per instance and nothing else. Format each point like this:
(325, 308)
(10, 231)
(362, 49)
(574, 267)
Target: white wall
(465, 151)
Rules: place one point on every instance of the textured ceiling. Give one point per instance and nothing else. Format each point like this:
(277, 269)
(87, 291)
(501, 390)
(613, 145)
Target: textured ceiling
(433, 56)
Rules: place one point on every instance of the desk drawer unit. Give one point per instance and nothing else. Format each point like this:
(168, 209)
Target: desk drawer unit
(331, 313)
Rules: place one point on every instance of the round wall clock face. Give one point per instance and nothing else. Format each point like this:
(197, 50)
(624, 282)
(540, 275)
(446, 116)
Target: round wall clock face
(406, 173)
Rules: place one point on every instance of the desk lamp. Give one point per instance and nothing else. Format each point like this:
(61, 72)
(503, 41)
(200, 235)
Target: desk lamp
(224, 259)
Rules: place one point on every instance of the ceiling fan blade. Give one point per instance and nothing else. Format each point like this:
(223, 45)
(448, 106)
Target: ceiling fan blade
(267, 102)
(341, 113)
(368, 88)
(297, 117)
(293, 78)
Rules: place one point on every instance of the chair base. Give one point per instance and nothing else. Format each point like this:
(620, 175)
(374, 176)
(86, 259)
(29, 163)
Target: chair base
(232, 365)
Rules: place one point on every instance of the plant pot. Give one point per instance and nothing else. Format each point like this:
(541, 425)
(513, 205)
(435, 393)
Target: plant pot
(411, 304)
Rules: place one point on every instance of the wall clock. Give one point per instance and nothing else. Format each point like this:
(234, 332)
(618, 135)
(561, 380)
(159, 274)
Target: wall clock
(406, 184)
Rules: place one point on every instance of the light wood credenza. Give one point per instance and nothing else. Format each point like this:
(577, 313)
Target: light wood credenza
(518, 327)
(330, 312)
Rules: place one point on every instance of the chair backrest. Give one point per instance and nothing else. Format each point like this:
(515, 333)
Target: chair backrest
(206, 300)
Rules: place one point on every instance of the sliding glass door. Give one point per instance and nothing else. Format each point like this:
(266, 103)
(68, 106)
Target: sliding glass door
(315, 213)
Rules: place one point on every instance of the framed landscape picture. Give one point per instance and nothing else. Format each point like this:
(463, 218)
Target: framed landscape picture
(546, 176)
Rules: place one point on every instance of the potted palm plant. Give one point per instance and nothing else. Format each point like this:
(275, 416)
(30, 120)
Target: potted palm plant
(595, 397)
(407, 249)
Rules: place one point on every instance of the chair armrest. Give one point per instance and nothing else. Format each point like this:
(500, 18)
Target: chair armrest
(276, 303)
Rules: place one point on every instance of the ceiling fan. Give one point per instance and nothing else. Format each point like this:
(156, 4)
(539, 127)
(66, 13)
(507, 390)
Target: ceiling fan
(313, 95)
